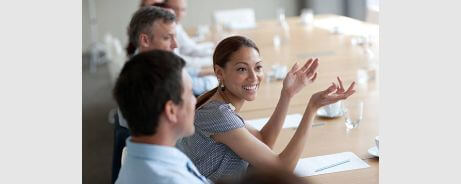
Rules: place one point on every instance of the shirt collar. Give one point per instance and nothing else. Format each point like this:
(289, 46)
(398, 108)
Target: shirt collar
(167, 154)
(136, 52)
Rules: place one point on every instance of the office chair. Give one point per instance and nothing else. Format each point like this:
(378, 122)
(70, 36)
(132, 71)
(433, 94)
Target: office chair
(120, 136)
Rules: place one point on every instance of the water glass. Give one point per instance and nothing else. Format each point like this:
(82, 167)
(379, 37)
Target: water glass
(307, 16)
(281, 15)
(353, 113)
(362, 75)
(276, 41)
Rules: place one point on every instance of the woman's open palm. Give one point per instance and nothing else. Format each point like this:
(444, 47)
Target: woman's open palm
(332, 94)
(297, 78)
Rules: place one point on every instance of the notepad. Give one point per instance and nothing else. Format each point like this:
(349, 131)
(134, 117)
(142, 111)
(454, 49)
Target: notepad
(329, 164)
(291, 121)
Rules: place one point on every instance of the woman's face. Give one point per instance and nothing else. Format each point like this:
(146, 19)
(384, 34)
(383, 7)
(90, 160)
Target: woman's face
(242, 74)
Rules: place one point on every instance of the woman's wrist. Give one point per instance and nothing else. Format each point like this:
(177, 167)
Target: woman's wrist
(286, 93)
(311, 109)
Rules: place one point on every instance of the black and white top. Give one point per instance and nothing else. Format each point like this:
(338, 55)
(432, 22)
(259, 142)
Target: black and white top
(214, 160)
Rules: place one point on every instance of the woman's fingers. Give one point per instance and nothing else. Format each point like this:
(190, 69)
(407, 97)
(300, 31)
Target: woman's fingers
(340, 84)
(312, 69)
(329, 90)
(341, 87)
(340, 93)
(351, 87)
(344, 96)
(306, 65)
(335, 98)
(331, 94)
(349, 93)
(294, 68)
(314, 77)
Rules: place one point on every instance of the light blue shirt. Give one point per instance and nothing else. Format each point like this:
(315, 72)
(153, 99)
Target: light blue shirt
(149, 163)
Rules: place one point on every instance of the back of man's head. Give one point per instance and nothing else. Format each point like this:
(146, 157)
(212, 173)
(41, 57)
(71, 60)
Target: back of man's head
(142, 22)
(146, 83)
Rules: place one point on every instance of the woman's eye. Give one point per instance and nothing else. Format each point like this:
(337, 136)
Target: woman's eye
(259, 68)
(241, 69)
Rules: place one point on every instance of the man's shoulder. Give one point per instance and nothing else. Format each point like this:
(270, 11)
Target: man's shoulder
(157, 180)
(154, 174)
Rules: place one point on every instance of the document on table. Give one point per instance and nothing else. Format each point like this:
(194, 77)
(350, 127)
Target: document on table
(291, 121)
(329, 164)
(346, 26)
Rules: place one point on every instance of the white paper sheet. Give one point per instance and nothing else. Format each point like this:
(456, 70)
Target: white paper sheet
(347, 26)
(308, 166)
(291, 121)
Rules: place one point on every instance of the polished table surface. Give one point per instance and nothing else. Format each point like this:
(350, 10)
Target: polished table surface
(337, 57)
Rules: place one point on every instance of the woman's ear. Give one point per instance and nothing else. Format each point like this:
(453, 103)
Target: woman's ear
(144, 40)
(219, 72)
(171, 111)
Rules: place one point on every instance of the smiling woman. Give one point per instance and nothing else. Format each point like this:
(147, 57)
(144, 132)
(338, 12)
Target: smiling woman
(223, 145)
(237, 65)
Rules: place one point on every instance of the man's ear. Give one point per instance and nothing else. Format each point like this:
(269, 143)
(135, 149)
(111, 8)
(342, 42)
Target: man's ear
(144, 40)
(171, 111)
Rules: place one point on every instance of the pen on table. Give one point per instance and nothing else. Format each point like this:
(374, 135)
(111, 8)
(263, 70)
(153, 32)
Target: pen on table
(318, 124)
(332, 165)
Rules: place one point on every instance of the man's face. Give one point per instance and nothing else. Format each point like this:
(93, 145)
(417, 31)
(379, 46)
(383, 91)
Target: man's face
(179, 7)
(187, 108)
(163, 37)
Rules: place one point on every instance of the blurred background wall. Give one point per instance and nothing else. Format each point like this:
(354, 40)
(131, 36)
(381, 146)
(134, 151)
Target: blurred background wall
(113, 16)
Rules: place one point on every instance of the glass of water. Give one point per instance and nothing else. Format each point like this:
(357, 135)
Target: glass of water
(307, 16)
(353, 113)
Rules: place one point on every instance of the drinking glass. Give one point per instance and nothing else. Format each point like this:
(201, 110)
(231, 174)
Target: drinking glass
(353, 113)
(281, 14)
(276, 41)
(307, 16)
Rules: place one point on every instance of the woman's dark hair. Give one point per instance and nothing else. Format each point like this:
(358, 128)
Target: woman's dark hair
(145, 84)
(221, 56)
(142, 22)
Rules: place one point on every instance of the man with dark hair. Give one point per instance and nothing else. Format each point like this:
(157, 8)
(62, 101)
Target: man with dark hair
(154, 93)
(151, 28)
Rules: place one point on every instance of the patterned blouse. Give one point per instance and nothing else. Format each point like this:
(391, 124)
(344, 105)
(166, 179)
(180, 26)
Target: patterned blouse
(214, 160)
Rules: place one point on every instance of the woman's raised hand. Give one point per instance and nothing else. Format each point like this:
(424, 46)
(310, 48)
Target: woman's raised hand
(331, 95)
(297, 77)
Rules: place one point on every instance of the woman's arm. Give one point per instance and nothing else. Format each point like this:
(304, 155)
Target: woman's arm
(272, 128)
(258, 154)
(296, 79)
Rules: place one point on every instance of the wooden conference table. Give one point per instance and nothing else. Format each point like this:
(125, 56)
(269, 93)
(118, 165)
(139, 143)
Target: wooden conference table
(338, 57)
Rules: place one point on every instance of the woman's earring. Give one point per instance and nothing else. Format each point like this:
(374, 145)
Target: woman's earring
(222, 87)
